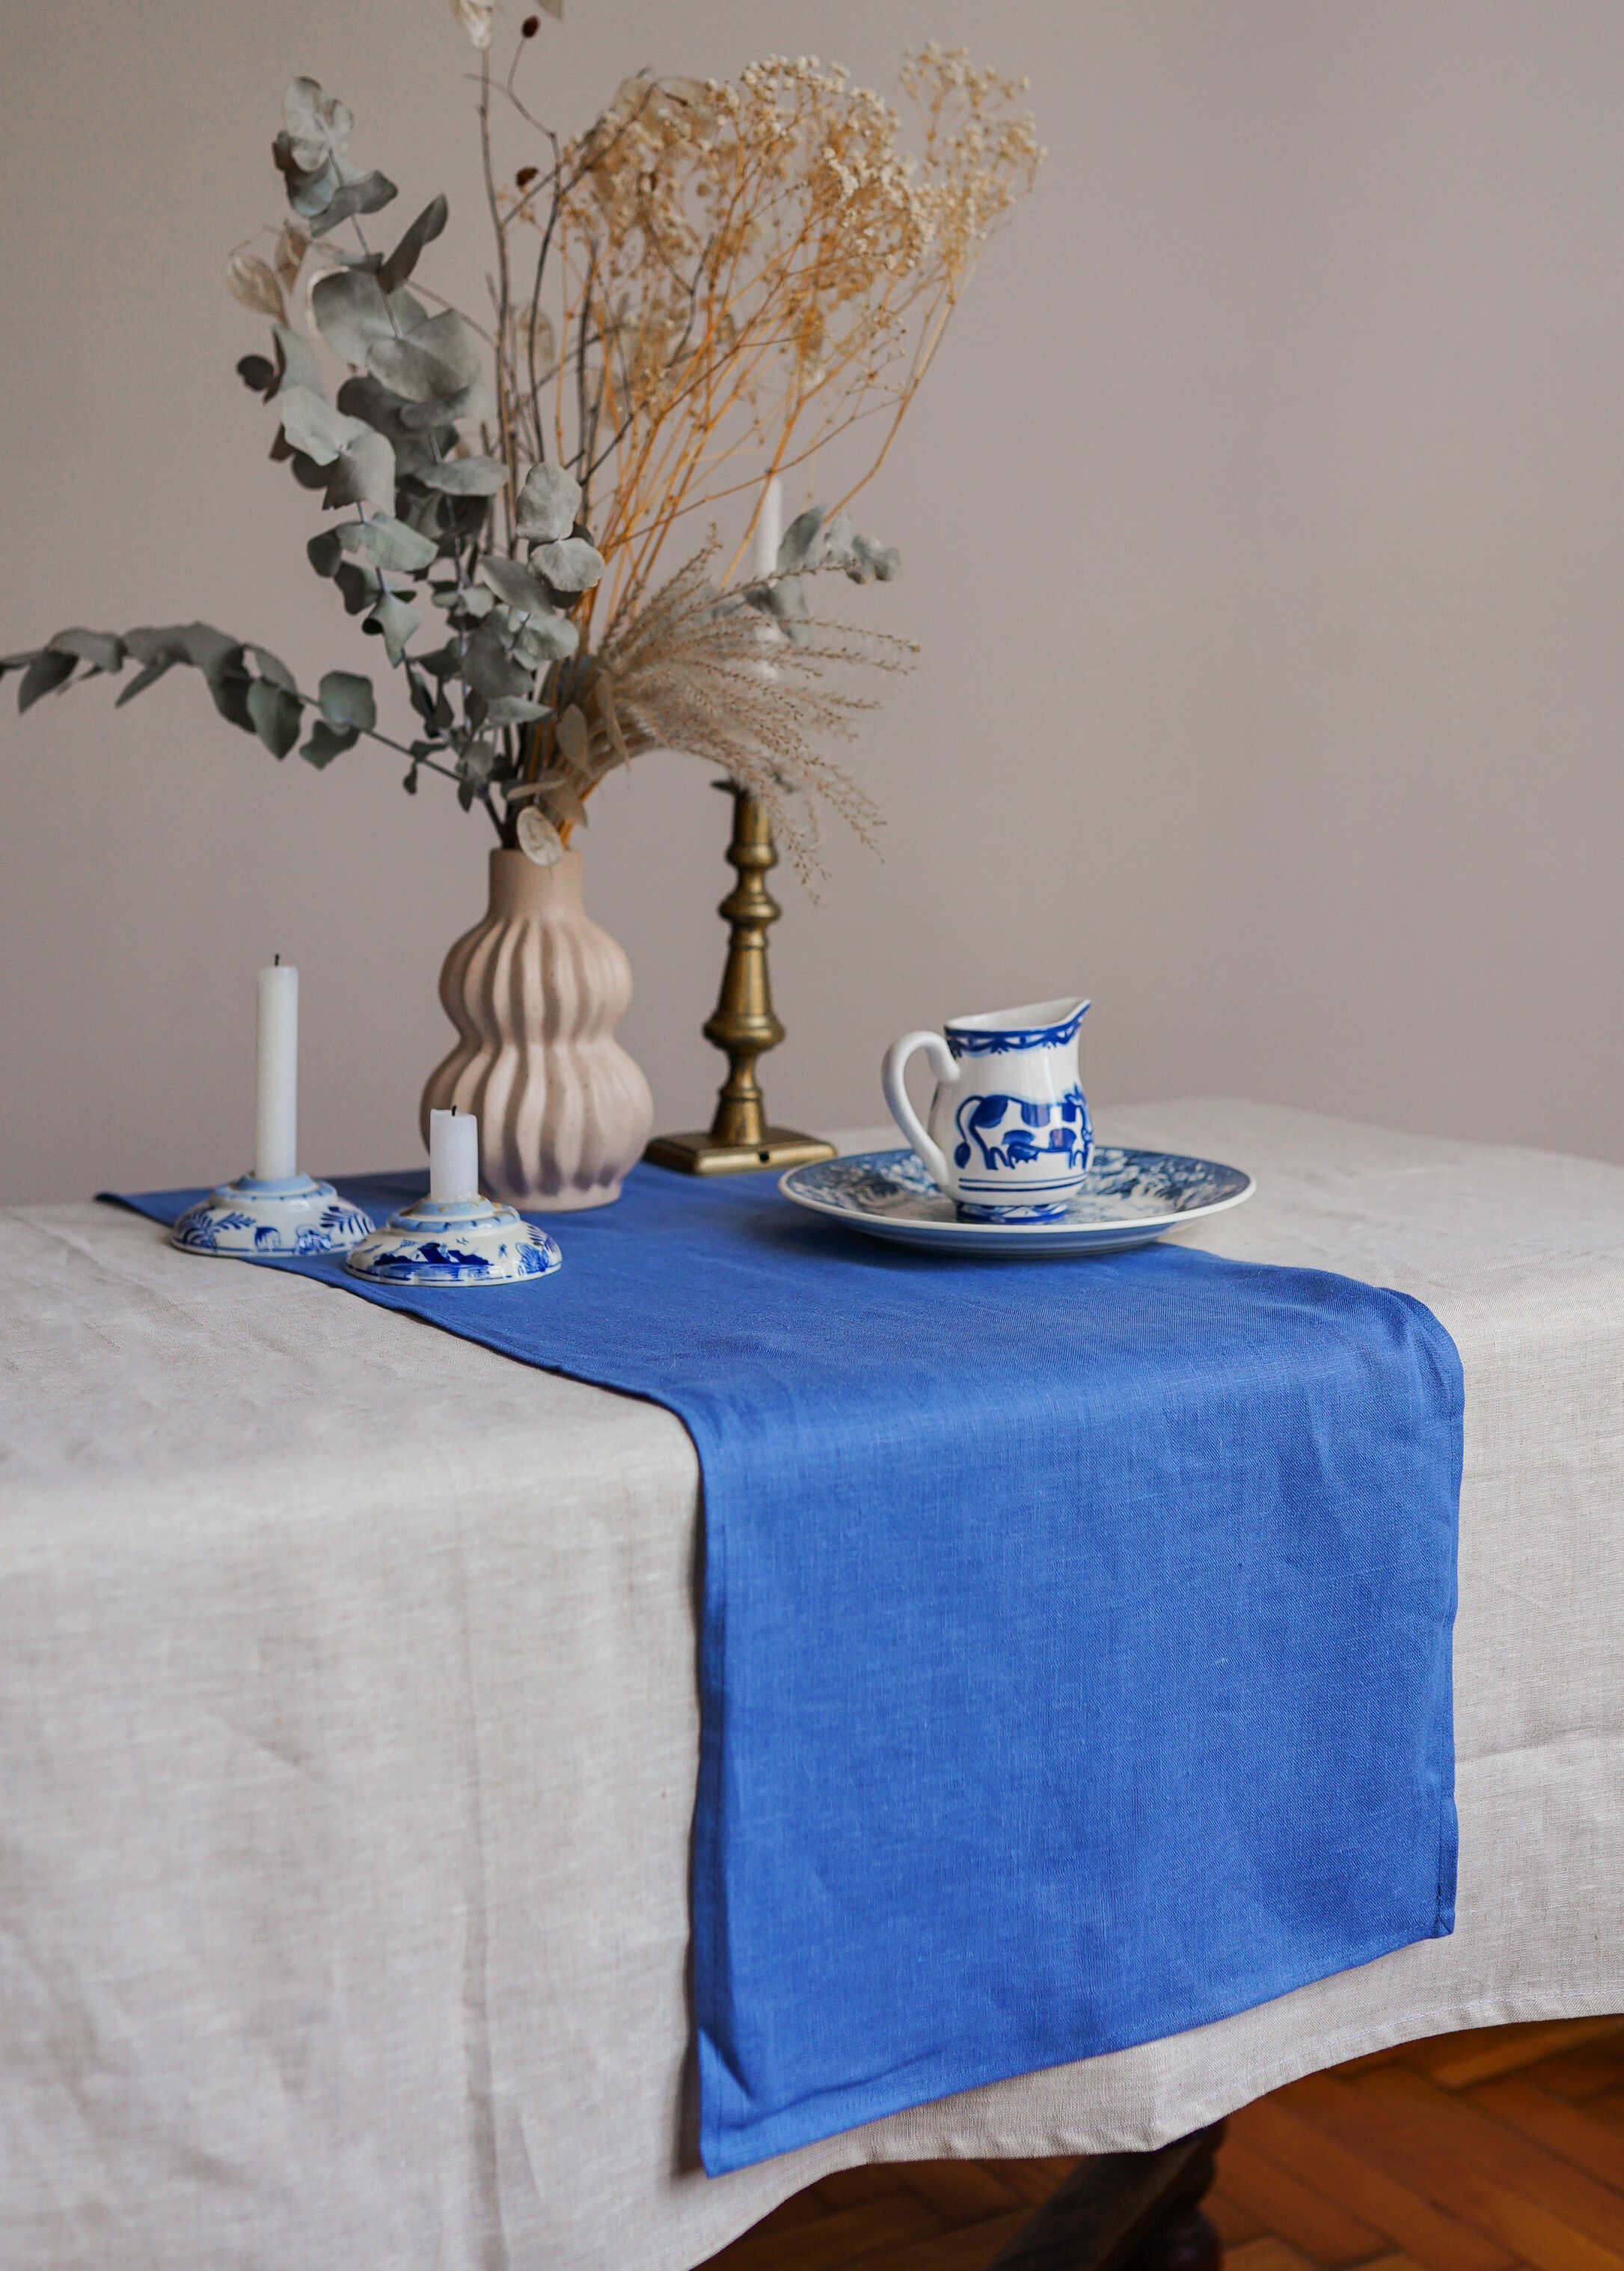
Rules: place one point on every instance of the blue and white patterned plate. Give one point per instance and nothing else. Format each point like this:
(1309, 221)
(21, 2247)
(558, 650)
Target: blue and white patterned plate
(1127, 1199)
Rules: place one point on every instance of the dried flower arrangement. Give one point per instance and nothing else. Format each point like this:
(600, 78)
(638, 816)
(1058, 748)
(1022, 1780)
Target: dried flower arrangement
(698, 294)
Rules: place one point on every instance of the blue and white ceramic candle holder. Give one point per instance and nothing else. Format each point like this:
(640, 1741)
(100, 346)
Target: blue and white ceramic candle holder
(270, 1217)
(276, 1211)
(454, 1237)
(1009, 1137)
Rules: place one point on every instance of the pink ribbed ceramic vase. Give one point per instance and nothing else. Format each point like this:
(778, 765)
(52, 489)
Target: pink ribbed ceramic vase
(535, 992)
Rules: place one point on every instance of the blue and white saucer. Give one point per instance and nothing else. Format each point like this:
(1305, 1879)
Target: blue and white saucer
(1127, 1199)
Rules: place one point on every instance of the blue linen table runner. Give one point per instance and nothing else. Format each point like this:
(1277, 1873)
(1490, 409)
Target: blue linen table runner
(1075, 1656)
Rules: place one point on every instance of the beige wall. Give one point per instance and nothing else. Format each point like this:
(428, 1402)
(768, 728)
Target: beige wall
(1265, 523)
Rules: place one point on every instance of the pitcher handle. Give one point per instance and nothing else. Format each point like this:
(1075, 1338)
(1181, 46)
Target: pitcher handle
(945, 1066)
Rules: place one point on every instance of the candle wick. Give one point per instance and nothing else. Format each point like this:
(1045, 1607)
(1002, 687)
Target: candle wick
(275, 959)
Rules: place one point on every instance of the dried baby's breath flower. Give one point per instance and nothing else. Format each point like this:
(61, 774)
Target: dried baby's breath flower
(747, 269)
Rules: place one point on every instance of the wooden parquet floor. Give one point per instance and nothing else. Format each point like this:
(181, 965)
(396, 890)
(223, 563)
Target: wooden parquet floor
(1471, 2152)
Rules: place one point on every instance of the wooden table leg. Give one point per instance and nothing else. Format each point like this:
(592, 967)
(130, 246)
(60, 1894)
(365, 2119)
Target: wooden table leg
(1126, 2212)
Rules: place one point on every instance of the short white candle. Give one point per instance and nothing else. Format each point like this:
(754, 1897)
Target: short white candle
(769, 532)
(453, 1157)
(276, 1101)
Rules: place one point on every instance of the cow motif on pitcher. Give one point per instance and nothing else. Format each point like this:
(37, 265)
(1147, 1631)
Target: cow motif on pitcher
(1008, 1136)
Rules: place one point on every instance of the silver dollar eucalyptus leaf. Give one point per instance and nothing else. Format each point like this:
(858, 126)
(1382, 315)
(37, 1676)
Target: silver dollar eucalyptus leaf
(515, 584)
(473, 602)
(474, 400)
(364, 473)
(464, 476)
(415, 460)
(272, 667)
(799, 546)
(309, 188)
(350, 312)
(514, 710)
(220, 659)
(388, 543)
(411, 370)
(305, 470)
(549, 638)
(881, 562)
(439, 358)
(313, 427)
(317, 125)
(532, 642)
(229, 690)
(214, 652)
(296, 366)
(490, 670)
(327, 742)
(863, 560)
(365, 196)
(257, 375)
(277, 716)
(407, 253)
(362, 397)
(396, 620)
(44, 674)
(548, 503)
(360, 588)
(573, 565)
(347, 699)
(151, 644)
(786, 603)
(838, 535)
(147, 675)
(101, 649)
(307, 193)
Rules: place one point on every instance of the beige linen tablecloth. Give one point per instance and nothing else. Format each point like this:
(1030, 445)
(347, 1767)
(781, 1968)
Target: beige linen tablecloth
(348, 1738)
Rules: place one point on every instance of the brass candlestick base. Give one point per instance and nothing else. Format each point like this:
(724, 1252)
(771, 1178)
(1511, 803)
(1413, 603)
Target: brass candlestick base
(743, 1024)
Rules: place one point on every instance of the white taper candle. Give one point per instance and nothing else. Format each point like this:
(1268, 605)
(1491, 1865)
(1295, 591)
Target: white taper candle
(276, 1100)
(769, 530)
(453, 1157)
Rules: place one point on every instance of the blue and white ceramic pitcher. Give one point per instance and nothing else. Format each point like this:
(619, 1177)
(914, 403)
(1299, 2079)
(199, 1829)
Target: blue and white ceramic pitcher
(1009, 1137)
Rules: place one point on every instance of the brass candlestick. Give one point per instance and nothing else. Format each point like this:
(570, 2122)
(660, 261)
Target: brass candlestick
(743, 1024)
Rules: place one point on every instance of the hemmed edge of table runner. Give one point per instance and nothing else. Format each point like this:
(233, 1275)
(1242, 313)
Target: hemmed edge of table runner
(832, 2112)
